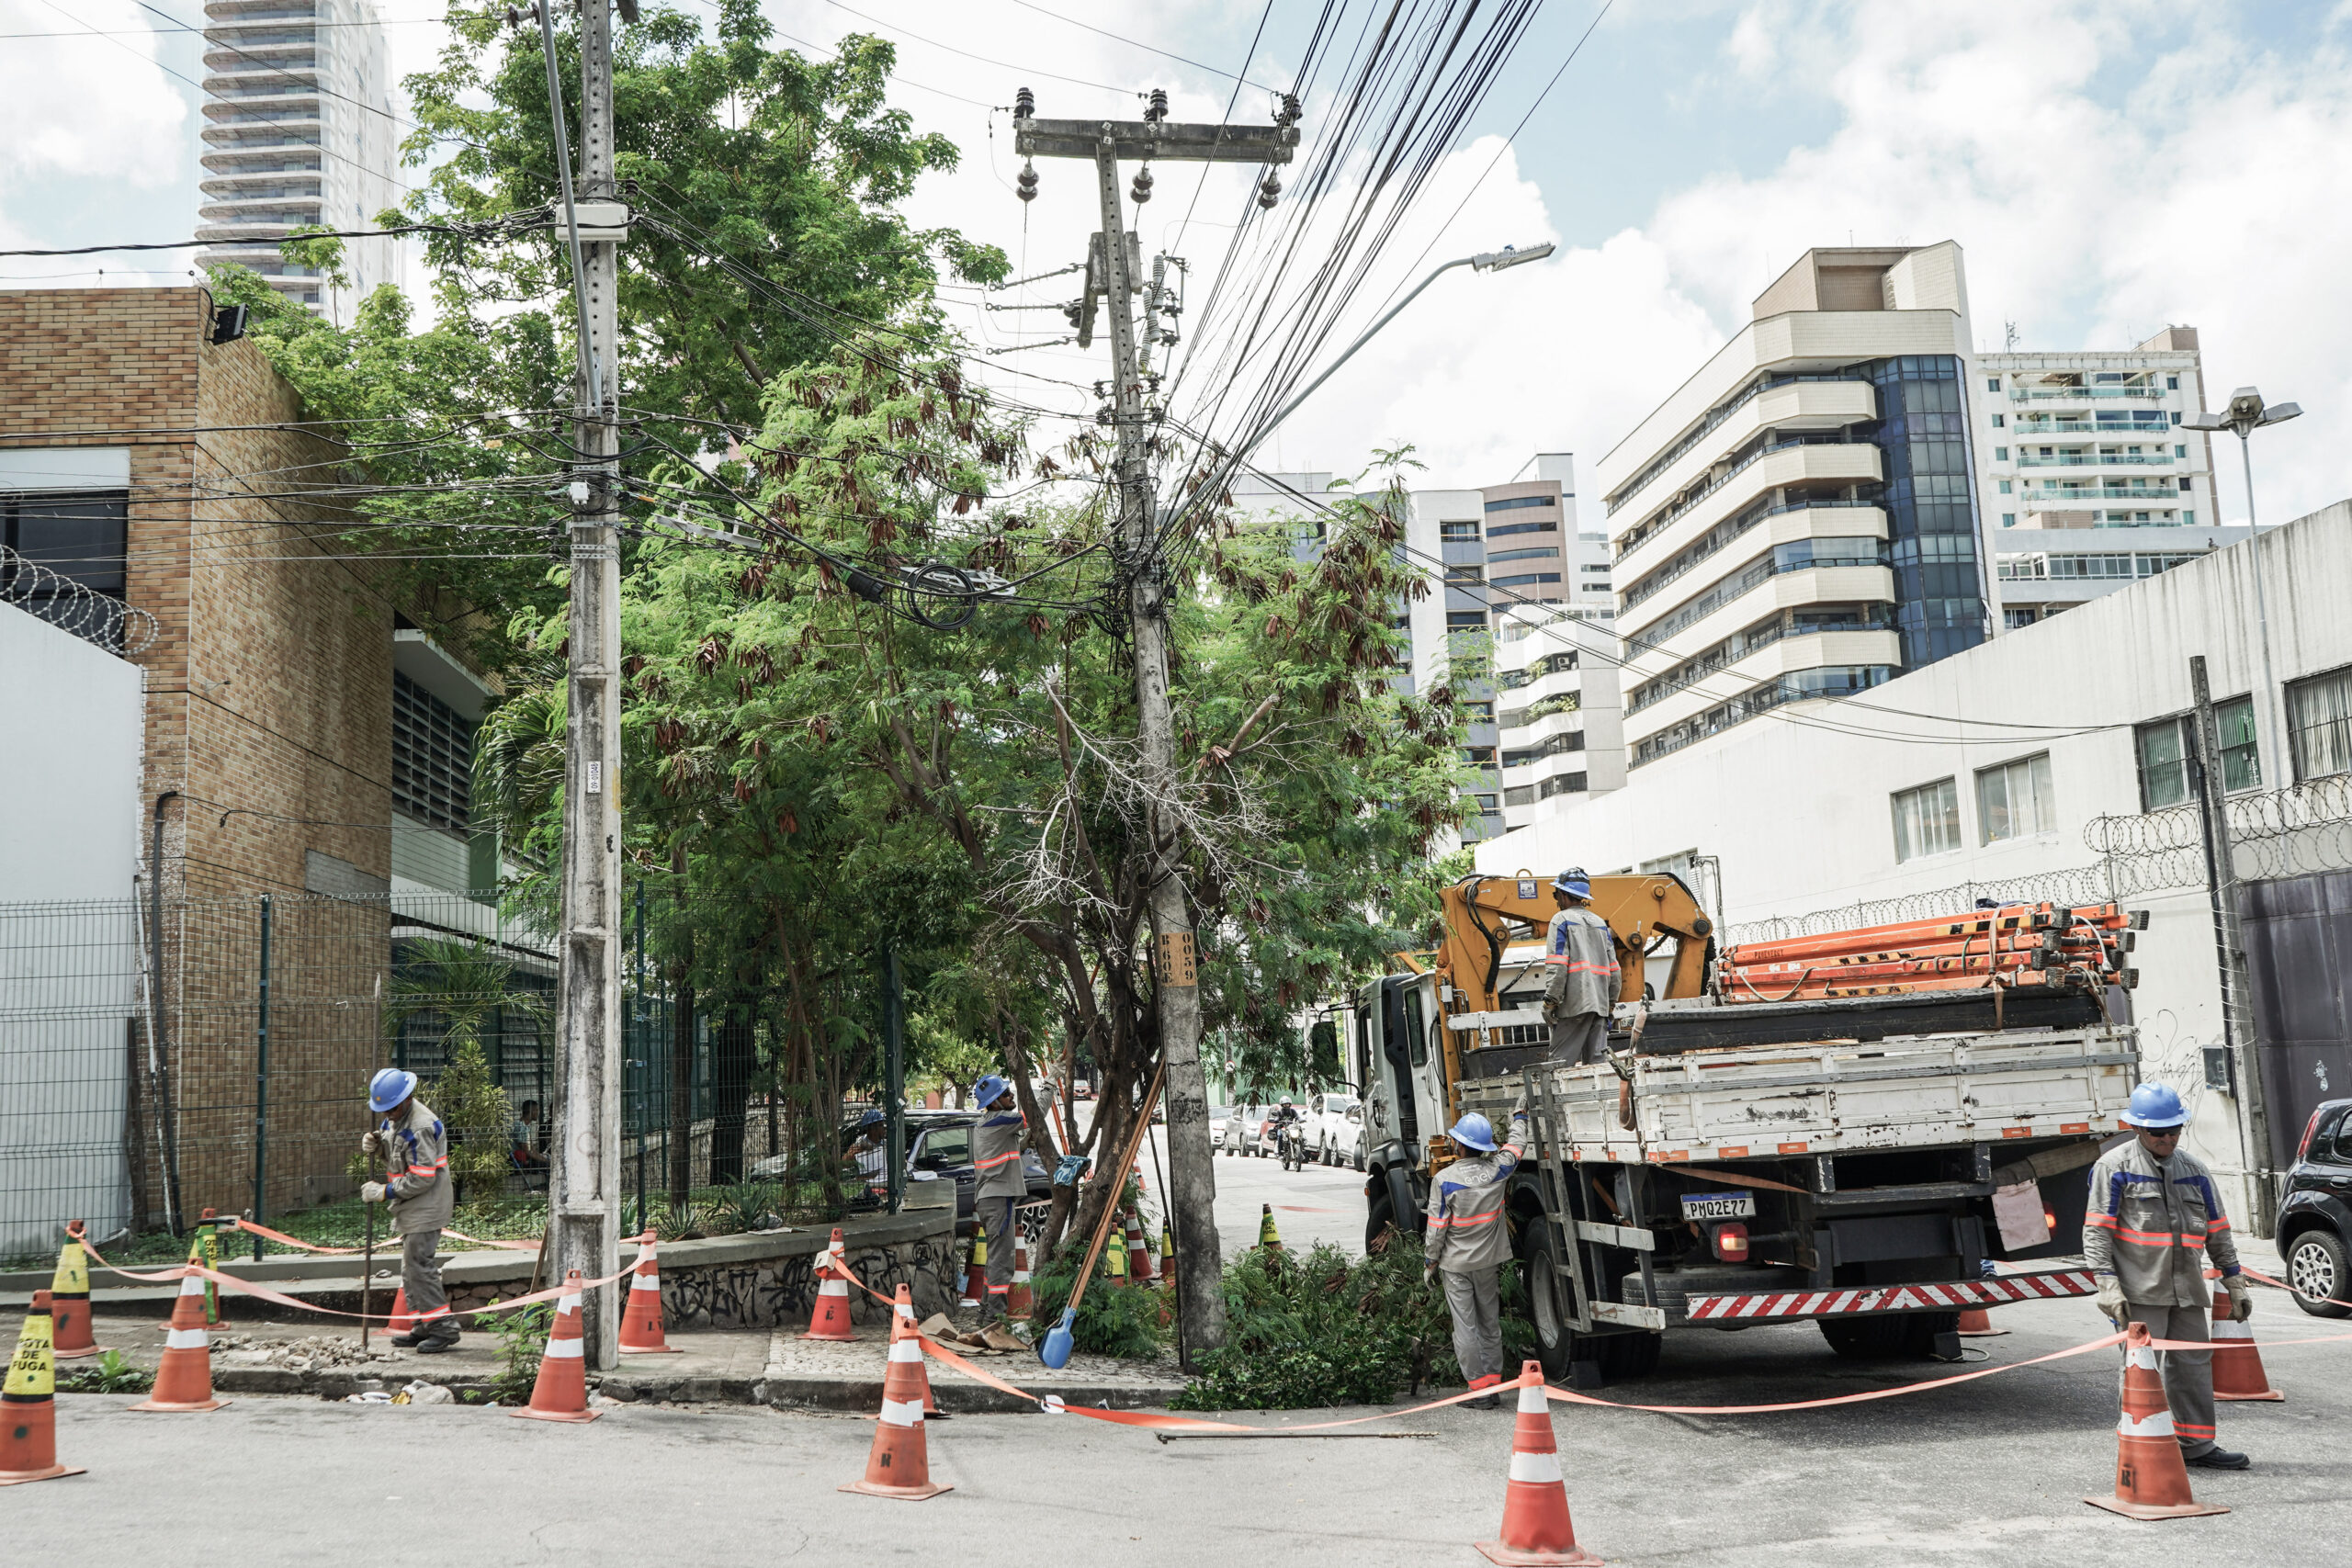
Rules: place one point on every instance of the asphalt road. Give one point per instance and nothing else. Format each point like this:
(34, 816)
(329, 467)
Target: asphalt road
(1992, 1469)
(1317, 1204)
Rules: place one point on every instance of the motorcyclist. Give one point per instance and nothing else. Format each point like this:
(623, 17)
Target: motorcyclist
(1279, 1125)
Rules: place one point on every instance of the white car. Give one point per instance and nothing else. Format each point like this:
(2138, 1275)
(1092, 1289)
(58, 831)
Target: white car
(1335, 1128)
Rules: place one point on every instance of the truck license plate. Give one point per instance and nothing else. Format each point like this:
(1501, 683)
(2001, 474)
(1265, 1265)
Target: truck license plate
(1718, 1206)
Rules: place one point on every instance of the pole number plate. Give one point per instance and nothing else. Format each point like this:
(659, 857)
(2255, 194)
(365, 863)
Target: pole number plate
(1176, 965)
(1718, 1206)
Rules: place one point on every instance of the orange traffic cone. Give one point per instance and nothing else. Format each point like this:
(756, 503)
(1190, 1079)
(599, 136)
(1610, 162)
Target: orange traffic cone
(184, 1378)
(69, 1297)
(1138, 1252)
(2237, 1365)
(1977, 1323)
(1536, 1529)
(28, 1431)
(641, 1315)
(2151, 1478)
(899, 1465)
(905, 1307)
(830, 1317)
(402, 1321)
(561, 1393)
(1016, 1297)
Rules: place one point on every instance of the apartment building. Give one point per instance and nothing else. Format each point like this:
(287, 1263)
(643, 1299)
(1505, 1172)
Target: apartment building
(1799, 522)
(298, 131)
(2086, 474)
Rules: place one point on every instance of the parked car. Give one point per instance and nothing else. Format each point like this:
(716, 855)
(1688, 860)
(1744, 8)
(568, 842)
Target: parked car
(1335, 1128)
(1239, 1130)
(1218, 1116)
(2316, 1222)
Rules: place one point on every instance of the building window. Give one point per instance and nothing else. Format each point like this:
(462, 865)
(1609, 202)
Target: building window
(2008, 519)
(2188, 520)
(1457, 532)
(1543, 552)
(1465, 621)
(1465, 573)
(1479, 713)
(1927, 820)
(2000, 422)
(2178, 451)
(1489, 804)
(2014, 800)
(2001, 454)
(2008, 485)
(433, 758)
(1517, 502)
(2319, 722)
(2172, 383)
(1523, 582)
(1519, 794)
(2175, 419)
(1502, 529)
(2166, 746)
(1478, 756)
(83, 538)
(1992, 383)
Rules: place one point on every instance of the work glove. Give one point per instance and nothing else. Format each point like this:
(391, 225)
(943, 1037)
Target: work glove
(371, 1192)
(2241, 1297)
(1519, 1105)
(2110, 1299)
(371, 1144)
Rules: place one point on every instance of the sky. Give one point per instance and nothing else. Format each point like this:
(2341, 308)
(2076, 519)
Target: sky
(2109, 166)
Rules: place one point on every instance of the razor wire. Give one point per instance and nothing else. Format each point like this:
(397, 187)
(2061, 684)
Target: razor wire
(74, 606)
(2080, 885)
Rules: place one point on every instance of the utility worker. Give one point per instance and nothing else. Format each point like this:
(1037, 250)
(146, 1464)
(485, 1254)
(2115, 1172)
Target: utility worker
(1468, 1240)
(2153, 1219)
(418, 1187)
(1580, 973)
(996, 1160)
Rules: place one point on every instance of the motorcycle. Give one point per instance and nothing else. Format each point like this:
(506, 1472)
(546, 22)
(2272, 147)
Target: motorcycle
(1292, 1144)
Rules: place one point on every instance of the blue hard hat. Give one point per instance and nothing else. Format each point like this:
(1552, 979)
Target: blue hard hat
(1473, 1131)
(872, 1118)
(388, 1087)
(985, 1092)
(1573, 882)
(2155, 1105)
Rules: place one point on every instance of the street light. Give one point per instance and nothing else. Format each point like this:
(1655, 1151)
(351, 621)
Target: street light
(2246, 414)
(1484, 260)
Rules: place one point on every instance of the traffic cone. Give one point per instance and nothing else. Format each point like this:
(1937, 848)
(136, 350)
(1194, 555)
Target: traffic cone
(975, 1271)
(1114, 1265)
(1269, 1237)
(402, 1321)
(641, 1315)
(829, 1319)
(1536, 1529)
(1166, 1256)
(904, 1307)
(69, 1297)
(561, 1393)
(184, 1378)
(203, 1248)
(899, 1465)
(28, 1404)
(2237, 1365)
(1138, 1251)
(2151, 1478)
(1977, 1323)
(1016, 1299)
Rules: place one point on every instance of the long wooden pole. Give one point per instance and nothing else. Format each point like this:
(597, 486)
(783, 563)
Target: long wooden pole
(1118, 1179)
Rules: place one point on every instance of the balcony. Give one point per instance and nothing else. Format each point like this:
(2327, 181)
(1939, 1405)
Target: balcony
(1820, 402)
(2072, 394)
(2102, 460)
(1792, 654)
(1665, 614)
(1802, 461)
(1750, 598)
(2110, 431)
(2050, 500)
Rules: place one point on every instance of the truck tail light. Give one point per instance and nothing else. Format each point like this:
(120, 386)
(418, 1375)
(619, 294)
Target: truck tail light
(1728, 1239)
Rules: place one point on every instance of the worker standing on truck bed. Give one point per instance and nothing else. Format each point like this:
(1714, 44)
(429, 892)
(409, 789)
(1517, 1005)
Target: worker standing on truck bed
(1468, 1240)
(1580, 973)
(2154, 1217)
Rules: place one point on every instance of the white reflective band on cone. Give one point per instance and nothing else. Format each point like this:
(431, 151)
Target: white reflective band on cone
(567, 1349)
(2226, 1329)
(2140, 1356)
(191, 1285)
(1538, 1468)
(186, 1339)
(905, 1350)
(569, 1304)
(1531, 1403)
(902, 1412)
(2157, 1425)
(833, 1287)
(644, 1282)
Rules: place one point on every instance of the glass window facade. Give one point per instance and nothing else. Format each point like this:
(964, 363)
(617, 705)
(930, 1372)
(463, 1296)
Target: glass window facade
(1927, 820)
(1930, 501)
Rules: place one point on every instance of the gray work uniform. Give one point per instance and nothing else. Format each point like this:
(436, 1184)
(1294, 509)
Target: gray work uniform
(1469, 1240)
(2150, 1224)
(996, 1158)
(423, 1196)
(1580, 982)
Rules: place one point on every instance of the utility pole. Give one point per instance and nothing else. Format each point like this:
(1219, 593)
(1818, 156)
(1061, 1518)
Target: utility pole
(1176, 991)
(2240, 1035)
(584, 1160)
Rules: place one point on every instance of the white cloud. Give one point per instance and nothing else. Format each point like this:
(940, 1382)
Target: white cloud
(87, 107)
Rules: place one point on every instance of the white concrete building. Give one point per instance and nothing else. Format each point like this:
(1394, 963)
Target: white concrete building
(1978, 776)
(1798, 522)
(2087, 477)
(298, 131)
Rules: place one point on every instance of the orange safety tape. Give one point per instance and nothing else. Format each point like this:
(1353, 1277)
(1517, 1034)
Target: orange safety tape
(233, 1223)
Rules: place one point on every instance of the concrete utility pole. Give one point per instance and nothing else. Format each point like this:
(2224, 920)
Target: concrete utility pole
(1176, 995)
(584, 1175)
(2240, 1035)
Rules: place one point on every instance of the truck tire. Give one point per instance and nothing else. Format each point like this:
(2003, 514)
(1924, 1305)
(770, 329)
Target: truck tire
(1378, 1215)
(1909, 1337)
(1559, 1347)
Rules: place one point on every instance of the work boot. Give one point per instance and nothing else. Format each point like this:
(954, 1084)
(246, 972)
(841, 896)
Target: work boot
(2218, 1458)
(409, 1340)
(1492, 1402)
(444, 1338)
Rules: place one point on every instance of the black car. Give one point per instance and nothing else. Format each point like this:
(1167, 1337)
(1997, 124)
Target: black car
(2315, 1223)
(940, 1147)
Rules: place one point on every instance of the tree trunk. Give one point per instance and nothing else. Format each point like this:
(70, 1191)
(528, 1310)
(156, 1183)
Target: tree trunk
(731, 1058)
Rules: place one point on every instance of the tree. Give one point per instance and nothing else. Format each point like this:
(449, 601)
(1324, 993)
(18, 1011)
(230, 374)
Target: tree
(459, 987)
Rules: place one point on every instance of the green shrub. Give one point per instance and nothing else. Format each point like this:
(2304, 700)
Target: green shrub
(112, 1374)
(1113, 1320)
(522, 1339)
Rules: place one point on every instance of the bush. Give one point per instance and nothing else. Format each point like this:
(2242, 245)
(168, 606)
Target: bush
(1113, 1320)
(1329, 1329)
(522, 1339)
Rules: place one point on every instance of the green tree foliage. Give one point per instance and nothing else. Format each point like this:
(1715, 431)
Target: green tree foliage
(458, 987)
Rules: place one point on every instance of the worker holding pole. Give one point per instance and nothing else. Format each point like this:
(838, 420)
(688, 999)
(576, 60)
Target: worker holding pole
(2153, 1216)
(1580, 973)
(1468, 1240)
(419, 1190)
(996, 1159)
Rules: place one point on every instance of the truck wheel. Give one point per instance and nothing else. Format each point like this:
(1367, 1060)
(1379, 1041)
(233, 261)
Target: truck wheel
(1377, 1217)
(1559, 1347)
(1890, 1336)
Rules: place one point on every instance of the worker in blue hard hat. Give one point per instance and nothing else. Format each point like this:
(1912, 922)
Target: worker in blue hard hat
(1468, 1238)
(2153, 1219)
(996, 1160)
(1580, 973)
(418, 1187)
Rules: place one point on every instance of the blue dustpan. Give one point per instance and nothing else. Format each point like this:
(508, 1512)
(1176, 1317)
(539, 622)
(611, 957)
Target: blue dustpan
(1054, 1348)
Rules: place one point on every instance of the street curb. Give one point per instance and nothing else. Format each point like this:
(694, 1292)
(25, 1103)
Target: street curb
(954, 1395)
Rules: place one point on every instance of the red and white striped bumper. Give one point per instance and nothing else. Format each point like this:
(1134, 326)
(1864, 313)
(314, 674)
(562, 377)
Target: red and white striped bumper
(1957, 1294)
